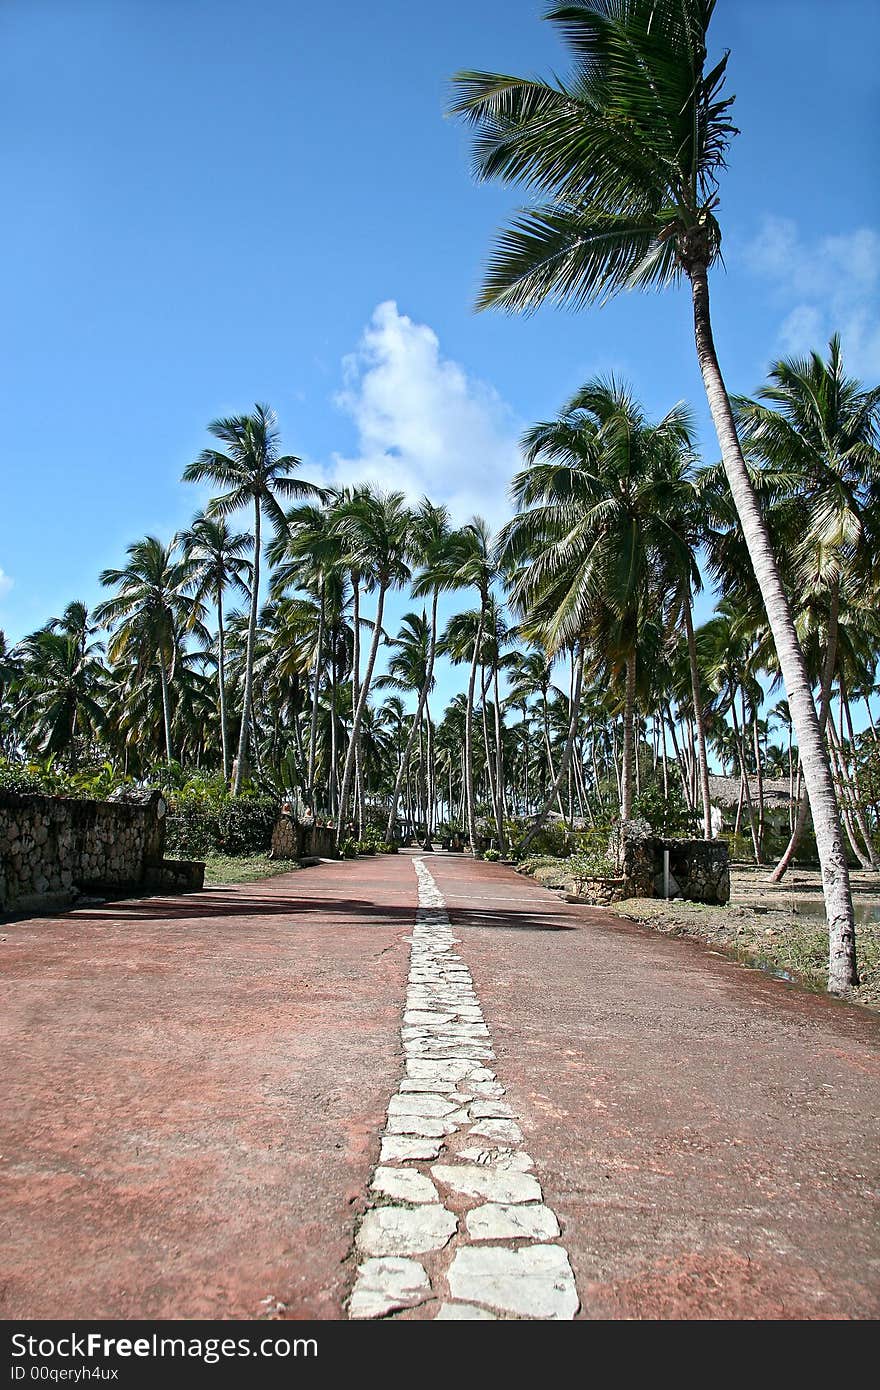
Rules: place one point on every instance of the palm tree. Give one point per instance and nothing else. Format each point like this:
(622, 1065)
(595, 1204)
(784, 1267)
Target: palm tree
(218, 558)
(471, 565)
(61, 686)
(253, 472)
(434, 544)
(151, 613)
(628, 153)
(593, 540)
(373, 529)
(813, 432)
(306, 553)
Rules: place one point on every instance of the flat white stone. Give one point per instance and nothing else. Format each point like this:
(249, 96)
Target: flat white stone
(397, 1148)
(491, 1110)
(410, 1086)
(426, 1069)
(425, 1126)
(385, 1284)
(405, 1230)
(425, 1103)
(505, 1131)
(510, 1160)
(405, 1185)
(482, 1074)
(487, 1088)
(500, 1221)
(535, 1281)
(464, 1312)
(491, 1182)
(421, 1016)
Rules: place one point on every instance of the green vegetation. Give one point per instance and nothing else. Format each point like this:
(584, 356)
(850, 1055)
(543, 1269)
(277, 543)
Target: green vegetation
(243, 868)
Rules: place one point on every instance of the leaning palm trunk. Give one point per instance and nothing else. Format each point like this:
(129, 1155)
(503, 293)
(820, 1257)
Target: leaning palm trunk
(166, 712)
(842, 970)
(699, 718)
(563, 761)
(417, 719)
(803, 804)
(857, 798)
(248, 693)
(348, 770)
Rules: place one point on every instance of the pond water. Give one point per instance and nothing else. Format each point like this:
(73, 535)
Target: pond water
(866, 914)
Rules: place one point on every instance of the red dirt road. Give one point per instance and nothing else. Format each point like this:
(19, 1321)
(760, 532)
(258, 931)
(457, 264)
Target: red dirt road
(707, 1136)
(194, 1089)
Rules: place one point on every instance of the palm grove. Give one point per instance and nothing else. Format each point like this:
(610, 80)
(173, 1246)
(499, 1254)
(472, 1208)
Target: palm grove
(588, 694)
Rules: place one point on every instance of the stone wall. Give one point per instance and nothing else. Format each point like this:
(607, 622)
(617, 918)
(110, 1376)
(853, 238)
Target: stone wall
(699, 870)
(293, 841)
(52, 848)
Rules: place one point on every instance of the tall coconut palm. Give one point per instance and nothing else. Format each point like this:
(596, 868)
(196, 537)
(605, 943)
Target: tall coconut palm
(472, 565)
(373, 529)
(151, 613)
(433, 544)
(218, 556)
(62, 679)
(628, 153)
(593, 534)
(305, 552)
(253, 471)
(814, 433)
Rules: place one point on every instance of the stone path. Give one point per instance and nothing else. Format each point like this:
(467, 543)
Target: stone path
(487, 1245)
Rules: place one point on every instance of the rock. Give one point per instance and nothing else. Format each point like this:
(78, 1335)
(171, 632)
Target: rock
(405, 1185)
(399, 1148)
(405, 1231)
(505, 1131)
(535, 1281)
(525, 1221)
(385, 1284)
(491, 1182)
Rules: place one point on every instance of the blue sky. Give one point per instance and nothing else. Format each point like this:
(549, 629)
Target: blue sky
(212, 202)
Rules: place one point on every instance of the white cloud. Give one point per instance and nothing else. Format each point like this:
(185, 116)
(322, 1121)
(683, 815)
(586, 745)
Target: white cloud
(6, 583)
(425, 426)
(824, 286)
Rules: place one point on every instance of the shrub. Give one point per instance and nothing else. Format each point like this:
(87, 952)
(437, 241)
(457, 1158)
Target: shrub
(492, 855)
(204, 820)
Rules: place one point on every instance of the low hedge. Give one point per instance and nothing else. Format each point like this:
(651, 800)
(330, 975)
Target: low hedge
(233, 826)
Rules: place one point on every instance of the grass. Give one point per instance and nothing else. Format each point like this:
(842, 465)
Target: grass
(243, 868)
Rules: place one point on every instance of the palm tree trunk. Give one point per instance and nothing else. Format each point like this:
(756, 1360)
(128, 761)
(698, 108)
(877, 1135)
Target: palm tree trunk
(359, 714)
(563, 761)
(626, 781)
(221, 684)
(699, 717)
(803, 804)
(166, 712)
(248, 694)
(842, 969)
(858, 801)
(469, 735)
(423, 695)
(313, 732)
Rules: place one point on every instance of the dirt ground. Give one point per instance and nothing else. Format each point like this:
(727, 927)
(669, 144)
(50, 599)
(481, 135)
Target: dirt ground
(781, 927)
